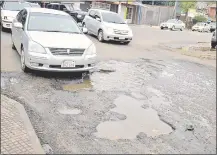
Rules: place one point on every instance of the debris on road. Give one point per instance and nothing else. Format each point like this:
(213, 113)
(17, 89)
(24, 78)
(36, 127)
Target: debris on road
(189, 128)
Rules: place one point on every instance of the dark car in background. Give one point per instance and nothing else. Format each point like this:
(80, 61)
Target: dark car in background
(212, 26)
(213, 41)
(69, 8)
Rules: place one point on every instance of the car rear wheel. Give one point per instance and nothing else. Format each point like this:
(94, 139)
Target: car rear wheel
(161, 28)
(100, 36)
(173, 28)
(22, 60)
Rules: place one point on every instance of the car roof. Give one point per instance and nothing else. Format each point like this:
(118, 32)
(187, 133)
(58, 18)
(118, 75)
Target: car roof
(101, 10)
(44, 10)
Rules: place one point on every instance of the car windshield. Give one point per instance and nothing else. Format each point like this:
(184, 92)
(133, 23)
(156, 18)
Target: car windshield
(200, 24)
(112, 18)
(171, 21)
(69, 7)
(15, 6)
(52, 23)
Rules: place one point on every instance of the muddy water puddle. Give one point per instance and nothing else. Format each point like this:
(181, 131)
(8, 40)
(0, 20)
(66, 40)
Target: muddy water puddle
(137, 120)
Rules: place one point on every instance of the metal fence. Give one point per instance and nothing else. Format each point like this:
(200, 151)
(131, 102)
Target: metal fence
(153, 15)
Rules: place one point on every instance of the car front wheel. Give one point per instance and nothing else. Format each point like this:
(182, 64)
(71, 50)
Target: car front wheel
(22, 60)
(100, 36)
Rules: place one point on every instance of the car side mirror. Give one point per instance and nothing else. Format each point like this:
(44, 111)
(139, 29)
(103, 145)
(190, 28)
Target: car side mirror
(98, 19)
(84, 29)
(18, 25)
(64, 9)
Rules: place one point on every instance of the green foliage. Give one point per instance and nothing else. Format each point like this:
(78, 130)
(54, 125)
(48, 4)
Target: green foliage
(186, 5)
(200, 18)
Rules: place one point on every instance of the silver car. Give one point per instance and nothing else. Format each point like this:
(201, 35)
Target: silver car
(51, 40)
(9, 10)
(107, 25)
(173, 24)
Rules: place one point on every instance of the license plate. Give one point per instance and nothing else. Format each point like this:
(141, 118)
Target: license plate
(68, 64)
(121, 38)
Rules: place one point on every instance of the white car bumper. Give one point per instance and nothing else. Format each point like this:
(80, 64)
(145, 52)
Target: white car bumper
(117, 37)
(6, 24)
(49, 62)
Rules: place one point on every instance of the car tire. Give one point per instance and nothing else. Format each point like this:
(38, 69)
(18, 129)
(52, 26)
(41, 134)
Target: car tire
(22, 60)
(100, 36)
(126, 43)
(13, 47)
(182, 29)
(173, 28)
(213, 45)
(161, 28)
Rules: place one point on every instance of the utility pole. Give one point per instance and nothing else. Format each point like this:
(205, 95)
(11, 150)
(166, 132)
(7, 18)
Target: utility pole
(175, 6)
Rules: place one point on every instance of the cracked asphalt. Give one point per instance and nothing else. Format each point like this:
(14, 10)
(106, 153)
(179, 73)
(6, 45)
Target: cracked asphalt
(170, 98)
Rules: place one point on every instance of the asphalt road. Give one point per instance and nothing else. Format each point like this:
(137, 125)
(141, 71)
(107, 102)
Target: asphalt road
(141, 98)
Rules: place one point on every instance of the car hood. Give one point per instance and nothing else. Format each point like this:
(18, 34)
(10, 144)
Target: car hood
(60, 40)
(117, 26)
(9, 13)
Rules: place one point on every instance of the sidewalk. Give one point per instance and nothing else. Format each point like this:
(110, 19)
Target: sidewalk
(17, 133)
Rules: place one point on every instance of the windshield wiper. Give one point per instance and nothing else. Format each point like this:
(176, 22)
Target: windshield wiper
(61, 31)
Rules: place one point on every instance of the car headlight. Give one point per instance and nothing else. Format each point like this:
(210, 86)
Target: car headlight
(91, 50)
(36, 48)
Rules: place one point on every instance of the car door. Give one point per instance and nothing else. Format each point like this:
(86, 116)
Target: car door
(89, 21)
(96, 23)
(14, 30)
(20, 32)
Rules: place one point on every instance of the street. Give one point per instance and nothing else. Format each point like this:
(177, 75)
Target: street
(141, 98)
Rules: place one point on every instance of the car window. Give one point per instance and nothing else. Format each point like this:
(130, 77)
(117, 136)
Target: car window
(48, 22)
(56, 6)
(23, 17)
(63, 7)
(92, 14)
(112, 18)
(49, 6)
(19, 15)
(15, 6)
(97, 14)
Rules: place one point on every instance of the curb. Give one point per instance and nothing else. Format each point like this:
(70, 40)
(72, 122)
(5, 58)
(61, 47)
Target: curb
(27, 125)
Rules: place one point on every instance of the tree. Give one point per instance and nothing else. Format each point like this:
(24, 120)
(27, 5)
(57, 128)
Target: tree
(186, 5)
(199, 18)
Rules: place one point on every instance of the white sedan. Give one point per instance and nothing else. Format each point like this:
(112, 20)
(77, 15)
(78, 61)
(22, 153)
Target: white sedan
(173, 24)
(9, 10)
(51, 40)
(201, 27)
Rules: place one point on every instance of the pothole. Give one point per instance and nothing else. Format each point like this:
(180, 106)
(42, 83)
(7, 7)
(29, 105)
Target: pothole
(70, 111)
(77, 85)
(137, 120)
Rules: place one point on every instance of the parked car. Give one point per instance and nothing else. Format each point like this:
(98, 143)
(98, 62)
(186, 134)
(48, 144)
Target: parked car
(9, 11)
(107, 25)
(173, 24)
(45, 45)
(212, 26)
(75, 12)
(201, 27)
(213, 40)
